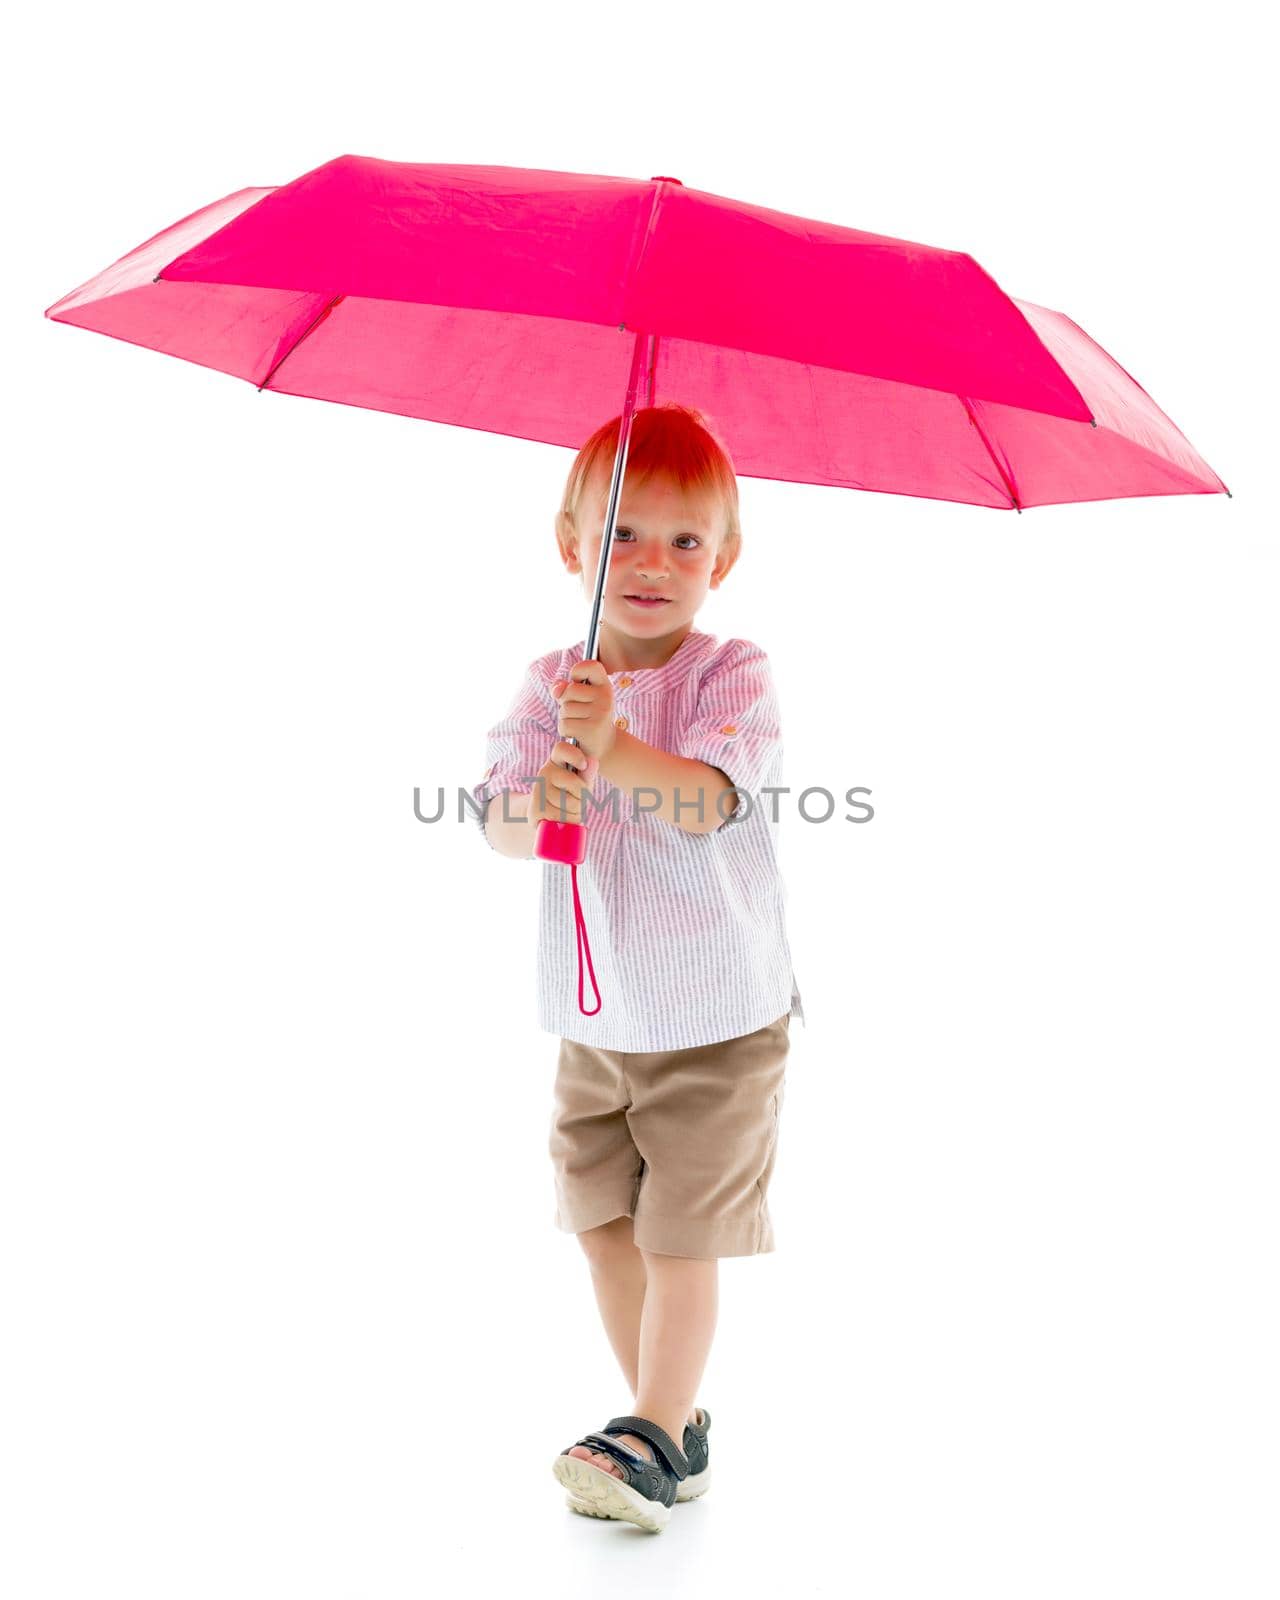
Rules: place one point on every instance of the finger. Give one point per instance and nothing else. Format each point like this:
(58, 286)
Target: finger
(558, 791)
(588, 672)
(574, 754)
(561, 799)
(582, 775)
(572, 686)
(579, 691)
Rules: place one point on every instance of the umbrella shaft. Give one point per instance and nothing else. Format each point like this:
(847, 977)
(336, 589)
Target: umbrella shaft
(615, 496)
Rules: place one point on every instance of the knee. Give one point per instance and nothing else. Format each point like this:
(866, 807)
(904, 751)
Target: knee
(608, 1240)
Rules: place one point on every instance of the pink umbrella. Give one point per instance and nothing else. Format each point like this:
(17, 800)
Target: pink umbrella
(493, 298)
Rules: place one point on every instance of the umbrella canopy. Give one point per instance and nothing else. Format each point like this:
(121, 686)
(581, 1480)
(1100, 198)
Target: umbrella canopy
(507, 299)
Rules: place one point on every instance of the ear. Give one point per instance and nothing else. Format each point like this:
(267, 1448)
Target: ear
(567, 543)
(725, 560)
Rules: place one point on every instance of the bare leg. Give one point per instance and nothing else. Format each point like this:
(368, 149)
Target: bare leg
(680, 1305)
(618, 1277)
(659, 1312)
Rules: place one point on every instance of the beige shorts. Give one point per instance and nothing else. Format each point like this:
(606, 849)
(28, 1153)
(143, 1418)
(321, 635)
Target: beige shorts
(683, 1141)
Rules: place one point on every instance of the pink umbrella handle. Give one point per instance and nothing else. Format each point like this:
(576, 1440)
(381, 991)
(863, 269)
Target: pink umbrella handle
(564, 841)
(560, 841)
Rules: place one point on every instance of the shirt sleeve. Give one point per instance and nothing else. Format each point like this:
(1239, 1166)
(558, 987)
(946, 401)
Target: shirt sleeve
(737, 724)
(517, 747)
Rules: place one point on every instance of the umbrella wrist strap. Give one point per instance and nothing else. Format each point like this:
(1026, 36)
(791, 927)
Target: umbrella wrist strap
(580, 928)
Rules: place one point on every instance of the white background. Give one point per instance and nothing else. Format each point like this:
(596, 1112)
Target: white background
(286, 1310)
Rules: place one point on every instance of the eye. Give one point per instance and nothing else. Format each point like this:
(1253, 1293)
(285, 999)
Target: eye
(618, 533)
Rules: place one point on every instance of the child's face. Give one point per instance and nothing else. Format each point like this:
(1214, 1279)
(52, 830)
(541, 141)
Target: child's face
(665, 544)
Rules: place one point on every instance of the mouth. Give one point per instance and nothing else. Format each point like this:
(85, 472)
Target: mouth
(649, 600)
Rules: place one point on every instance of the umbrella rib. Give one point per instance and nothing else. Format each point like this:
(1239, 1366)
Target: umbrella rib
(310, 328)
(1004, 478)
(633, 272)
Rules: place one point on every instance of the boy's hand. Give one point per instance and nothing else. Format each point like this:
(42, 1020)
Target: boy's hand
(586, 708)
(557, 792)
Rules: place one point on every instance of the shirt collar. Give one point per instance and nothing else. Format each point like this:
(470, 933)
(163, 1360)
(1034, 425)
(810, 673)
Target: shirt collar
(693, 648)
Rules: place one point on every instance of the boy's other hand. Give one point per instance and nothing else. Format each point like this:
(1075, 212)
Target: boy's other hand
(557, 792)
(586, 708)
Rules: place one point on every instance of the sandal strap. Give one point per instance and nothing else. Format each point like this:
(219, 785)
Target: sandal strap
(624, 1454)
(662, 1442)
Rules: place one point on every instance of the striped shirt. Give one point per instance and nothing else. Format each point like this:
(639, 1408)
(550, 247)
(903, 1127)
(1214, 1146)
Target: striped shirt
(687, 931)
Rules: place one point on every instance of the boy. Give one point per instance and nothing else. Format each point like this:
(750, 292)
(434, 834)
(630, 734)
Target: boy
(666, 1098)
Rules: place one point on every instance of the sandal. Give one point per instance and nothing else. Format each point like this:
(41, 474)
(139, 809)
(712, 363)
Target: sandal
(645, 1492)
(698, 1454)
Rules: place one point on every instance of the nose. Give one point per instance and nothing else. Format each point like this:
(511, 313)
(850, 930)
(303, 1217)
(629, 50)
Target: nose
(651, 560)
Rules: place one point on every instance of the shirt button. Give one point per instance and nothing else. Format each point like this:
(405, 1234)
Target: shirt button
(621, 722)
(624, 683)
(728, 728)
